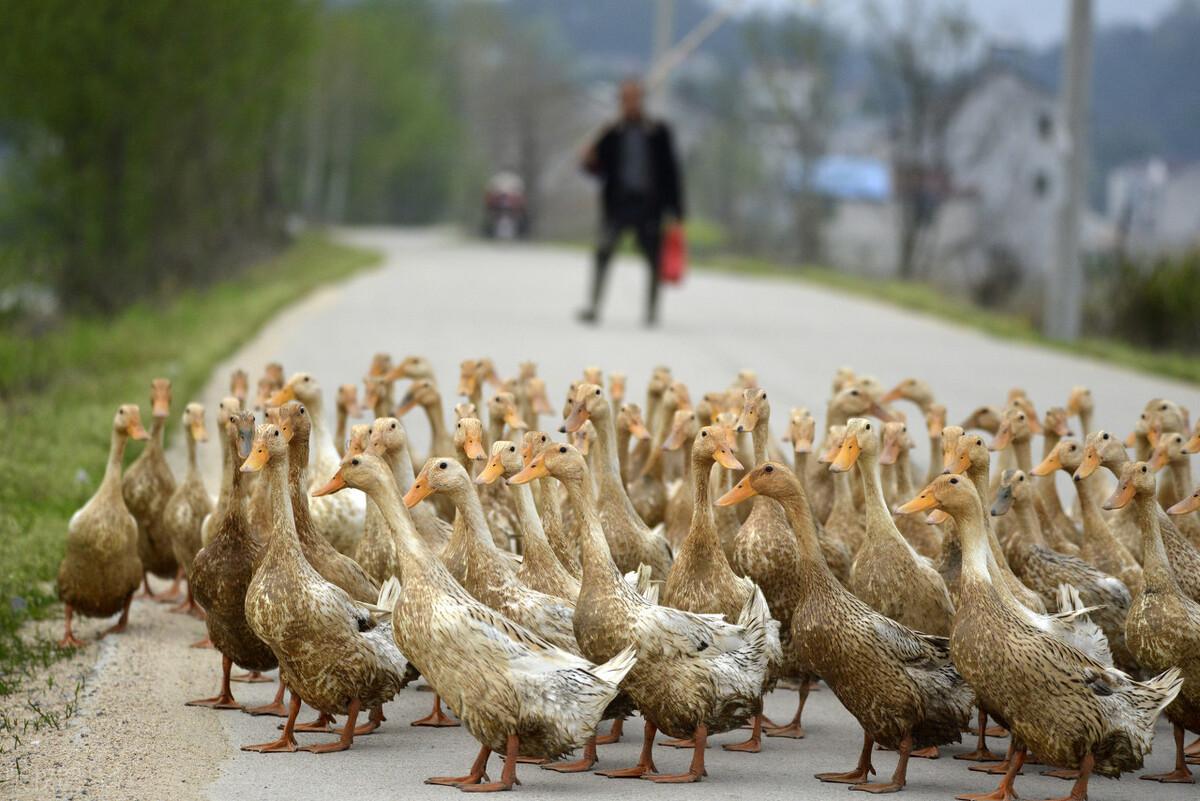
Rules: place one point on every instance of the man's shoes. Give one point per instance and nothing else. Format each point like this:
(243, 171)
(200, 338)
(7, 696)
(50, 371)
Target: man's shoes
(651, 321)
(588, 316)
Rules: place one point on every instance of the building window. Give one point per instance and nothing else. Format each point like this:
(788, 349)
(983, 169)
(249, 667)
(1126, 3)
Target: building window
(1045, 125)
(1041, 184)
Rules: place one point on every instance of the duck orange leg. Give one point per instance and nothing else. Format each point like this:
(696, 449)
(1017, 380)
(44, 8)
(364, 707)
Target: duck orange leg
(981, 752)
(252, 677)
(899, 776)
(69, 640)
(580, 765)
(508, 774)
(172, 593)
(1193, 750)
(205, 643)
(436, 717)
(1004, 792)
(1079, 790)
(347, 732)
(322, 723)
(224, 699)
(275, 708)
(999, 768)
(122, 622)
(374, 721)
(477, 774)
(754, 744)
(614, 733)
(695, 771)
(189, 606)
(793, 730)
(287, 740)
(861, 772)
(645, 763)
(1182, 773)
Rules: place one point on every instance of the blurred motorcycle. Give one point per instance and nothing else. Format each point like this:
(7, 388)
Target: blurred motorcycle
(504, 210)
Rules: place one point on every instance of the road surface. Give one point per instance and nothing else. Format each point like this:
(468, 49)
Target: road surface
(447, 299)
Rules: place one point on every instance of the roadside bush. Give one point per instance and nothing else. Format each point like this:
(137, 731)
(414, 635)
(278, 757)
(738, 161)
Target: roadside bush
(1156, 304)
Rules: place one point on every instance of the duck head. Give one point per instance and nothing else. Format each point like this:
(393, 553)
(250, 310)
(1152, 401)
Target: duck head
(802, 428)
(468, 438)
(193, 422)
(1014, 488)
(684, 426)
(1067, 455)
(160, 397)
(269, 443)
(1100, 448)
(239, 385)
(772, 479)
(504, 461)
(588, 402)
(387, 436)
(128, 422)
(440, 474)
(862, 436)
(629, 418)
(1135, 478)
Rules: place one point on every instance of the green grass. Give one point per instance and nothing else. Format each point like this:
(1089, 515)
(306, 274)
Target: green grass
(928, 300)
(58, 393)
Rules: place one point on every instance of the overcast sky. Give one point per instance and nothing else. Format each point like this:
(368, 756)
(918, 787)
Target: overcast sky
(1036, 22)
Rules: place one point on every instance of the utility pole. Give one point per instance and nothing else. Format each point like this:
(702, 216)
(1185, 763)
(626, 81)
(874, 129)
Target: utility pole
(1064, 298)
(664, 33)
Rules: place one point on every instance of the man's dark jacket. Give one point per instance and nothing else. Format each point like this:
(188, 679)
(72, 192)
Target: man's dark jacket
(666, 189)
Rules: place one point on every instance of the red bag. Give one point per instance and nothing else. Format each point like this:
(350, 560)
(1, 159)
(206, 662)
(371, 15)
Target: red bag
(673, 258)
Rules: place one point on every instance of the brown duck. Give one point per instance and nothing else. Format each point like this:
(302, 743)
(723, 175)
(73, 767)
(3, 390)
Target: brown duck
(147, 486)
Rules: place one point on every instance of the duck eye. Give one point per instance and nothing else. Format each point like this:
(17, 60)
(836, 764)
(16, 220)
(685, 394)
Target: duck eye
(442, 466)
(769, 469)
(277, 433)
(854, 392)
(954, 481)
(354, 461)
(1143, 468)
(1105, 436)
(868, 426)
(562, 449)
(512, 448)
(597, 392)
(393, 426)
(704, 433)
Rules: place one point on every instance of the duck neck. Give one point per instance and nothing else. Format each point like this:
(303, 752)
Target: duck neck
(800, 465)
(157, 432)
(440, 442)
(795, 505)
(415, 555)
(340, 435)
(495, 431)
(284, 542)
(1021, 451)
(229, 472)
(1027, 522)
(1094, 523)
(599, 570)
(1157, 575)
(1085, 423)
(973, 539)
(703, 531)
(878, 518)
(623, 437)
(470, 517)
(605, 461)
(935, 459)
(111, 483)
(193, 468)
(297, 478)
(759, 437)
(537, 546)
(399, 461)
(903, 468)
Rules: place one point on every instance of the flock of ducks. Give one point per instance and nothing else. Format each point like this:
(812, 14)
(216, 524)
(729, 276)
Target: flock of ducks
(542, 586)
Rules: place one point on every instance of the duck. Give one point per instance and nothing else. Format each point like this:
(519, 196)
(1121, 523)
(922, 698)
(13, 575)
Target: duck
(331, 652)
(338, 519)
(802, 428)
(695, 675)
(1045, 570)
(498, 502)
(538, 701)
(183, 516)
(850, 401)
(1105, 450)
(660, 379)
(1171, 455)
(678, 518)
(1081, 404)
(630, 540)
(921, 394)
(423, 392)
(648, 489)
(1163, 626)
(1099, 547)
(220, 574)
(483, 569)
(100, 569)
(629, 426)
(925, 539)
(239, 385)
(330, 564)
(899, 684)
(540, 568)
(1070, 709)
(147, 486)
(1015, 432)
(347, 407)
(887, 573)
(389, 441)
(845, 523)
(616, 388)
(469, 449)
(378, 550)
(564, 543)
(414, 367)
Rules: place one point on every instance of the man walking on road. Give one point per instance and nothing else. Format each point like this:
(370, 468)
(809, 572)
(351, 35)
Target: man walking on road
(634, 159)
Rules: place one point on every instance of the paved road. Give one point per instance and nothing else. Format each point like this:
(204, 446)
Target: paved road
(449, 300)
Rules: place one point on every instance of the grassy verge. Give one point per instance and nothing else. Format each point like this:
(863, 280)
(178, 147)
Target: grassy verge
(57, 397)
(928, 300)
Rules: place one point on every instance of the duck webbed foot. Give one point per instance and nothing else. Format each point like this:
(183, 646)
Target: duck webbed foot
(122, 622)
(645, 763)
(1182, 774)
(252, 677)
(323, 723)
(695, 771)
(753, 744)
(899, 776)
(436, 718)
(374, 721)
(224, 699)
(69, 640)
(205, 643)
(614, 733)
(1005, 792)
(287, 741)
(584, 763)
(189, 606)
(275, 708)
(793, 730)
(1079, 790)
(981, 753)
(478, 772)
(347, 732)
(861, 773)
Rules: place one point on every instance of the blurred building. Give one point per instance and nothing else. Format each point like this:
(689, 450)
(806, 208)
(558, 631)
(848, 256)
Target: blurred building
(1154, 208)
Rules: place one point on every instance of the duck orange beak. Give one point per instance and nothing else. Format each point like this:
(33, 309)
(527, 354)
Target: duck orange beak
(883, 414)
(1159, 460)
(893, 394)
(802, 444)
(922, 503)
(1091, 461)
(513, 420)
(1193, 444)
(282, 396)
(1048, 465)
(747, 421)
(332, 485)
(492, 472)
(258, 458)
(724, 457)
(473, 447)
(741, 491)
(579, 415)
(1003, 437)
(407, 404)
(535, 469)
(419, 491)
(890, 452)
(847, 455)
(1188, 505)
(1121, 496)
(638, 429)
(959, 463)
(1153, 434)
(134, 430)
(828, 456)
(675, 441)
(466, 385)
(198, 431)
(160, 406)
